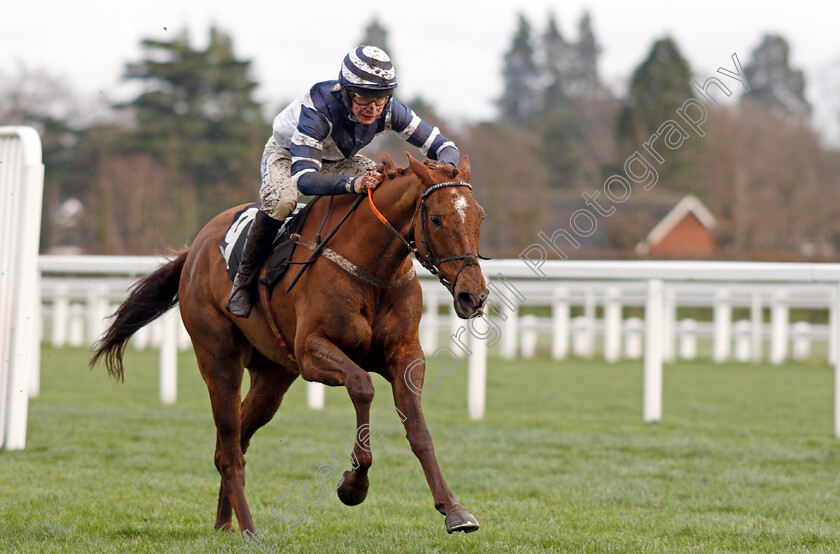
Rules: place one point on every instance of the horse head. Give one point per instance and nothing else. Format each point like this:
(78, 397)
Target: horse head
(446, 232)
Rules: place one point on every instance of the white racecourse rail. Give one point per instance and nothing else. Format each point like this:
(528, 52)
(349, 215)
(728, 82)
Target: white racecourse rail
(21, 192)
(559, 288)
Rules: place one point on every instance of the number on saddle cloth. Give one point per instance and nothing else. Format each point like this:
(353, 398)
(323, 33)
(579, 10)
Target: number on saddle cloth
(233, 242)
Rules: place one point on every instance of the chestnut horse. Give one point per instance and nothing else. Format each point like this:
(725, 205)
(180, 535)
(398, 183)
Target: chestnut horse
(342, 324)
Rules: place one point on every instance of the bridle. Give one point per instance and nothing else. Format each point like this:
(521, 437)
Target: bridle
(431, 261)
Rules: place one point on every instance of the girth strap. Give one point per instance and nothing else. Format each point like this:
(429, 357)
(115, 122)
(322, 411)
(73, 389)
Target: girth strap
(355, 270)
(269, 319)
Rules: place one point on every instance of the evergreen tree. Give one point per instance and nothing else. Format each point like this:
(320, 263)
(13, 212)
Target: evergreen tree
(197, 116)
(577, 118)
(520, 76)
(584, 79)
(556, 66)
(659, 85)
(774, 84)
(376, 35)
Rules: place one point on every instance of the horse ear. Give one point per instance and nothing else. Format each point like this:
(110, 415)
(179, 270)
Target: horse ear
(388, 163)
(464, 168)
(420, 169)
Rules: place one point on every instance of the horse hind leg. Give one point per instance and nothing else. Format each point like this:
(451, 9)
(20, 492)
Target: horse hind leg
(324, 362)
(224, 509)
(269, 383)
(223, 374)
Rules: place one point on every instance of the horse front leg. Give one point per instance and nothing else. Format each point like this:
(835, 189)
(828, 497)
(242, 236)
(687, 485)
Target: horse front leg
(406, 379)
(324, 362)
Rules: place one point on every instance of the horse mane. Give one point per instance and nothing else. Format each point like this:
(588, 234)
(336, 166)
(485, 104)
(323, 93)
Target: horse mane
(390, 169)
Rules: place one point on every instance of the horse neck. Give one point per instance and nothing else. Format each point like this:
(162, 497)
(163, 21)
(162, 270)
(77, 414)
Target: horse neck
(397, 200)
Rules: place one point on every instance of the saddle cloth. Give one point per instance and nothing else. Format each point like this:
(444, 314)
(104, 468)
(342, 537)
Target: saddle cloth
(233, 242)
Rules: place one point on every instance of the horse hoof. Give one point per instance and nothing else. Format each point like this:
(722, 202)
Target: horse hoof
(348, 493)
(461, 520)
(227, 527)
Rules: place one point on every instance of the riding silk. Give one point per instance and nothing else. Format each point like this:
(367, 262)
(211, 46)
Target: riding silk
(233, 242)
(318, 127)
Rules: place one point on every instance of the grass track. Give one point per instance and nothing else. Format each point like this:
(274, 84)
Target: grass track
(744, 461)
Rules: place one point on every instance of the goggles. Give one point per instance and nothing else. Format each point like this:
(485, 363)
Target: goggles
(378, 101)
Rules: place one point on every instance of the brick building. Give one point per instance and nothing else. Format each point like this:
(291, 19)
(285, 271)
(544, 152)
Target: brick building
(687, 231)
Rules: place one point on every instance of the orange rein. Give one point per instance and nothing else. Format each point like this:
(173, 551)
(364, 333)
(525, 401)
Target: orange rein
(378, 214)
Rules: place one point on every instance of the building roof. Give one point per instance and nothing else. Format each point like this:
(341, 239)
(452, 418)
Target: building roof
(688, 205)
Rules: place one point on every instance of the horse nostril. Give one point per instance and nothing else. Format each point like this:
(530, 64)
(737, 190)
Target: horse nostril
(469, 301)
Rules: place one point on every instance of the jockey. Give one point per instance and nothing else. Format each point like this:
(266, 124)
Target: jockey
(314, 150)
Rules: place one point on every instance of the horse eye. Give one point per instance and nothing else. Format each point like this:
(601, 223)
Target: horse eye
(436, 220)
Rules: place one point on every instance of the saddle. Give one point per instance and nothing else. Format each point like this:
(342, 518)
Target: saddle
(284, 244)
(287, 239)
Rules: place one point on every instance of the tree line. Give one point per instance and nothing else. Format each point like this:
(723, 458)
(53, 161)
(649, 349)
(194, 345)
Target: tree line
(144, 175)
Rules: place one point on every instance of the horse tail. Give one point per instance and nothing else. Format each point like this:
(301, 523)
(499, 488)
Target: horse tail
(148, 299)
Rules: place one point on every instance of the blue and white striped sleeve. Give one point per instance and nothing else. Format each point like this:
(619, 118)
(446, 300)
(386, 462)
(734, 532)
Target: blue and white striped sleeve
(306, 148)
(419, 133)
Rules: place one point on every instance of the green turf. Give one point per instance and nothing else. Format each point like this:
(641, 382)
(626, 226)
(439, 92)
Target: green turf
(744, 460)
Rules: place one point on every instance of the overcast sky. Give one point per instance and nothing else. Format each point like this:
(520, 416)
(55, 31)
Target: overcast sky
(448, 52)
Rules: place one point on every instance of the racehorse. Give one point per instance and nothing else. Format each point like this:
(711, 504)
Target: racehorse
(340, 321)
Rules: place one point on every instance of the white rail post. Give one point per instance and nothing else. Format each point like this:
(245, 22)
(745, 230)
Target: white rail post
(635, 330)
(184, 339)
(97, 310)
(140, 340)
(429, 331)
(801, 339)
(169, 358)
(510, 335)
(455, 322)
(670, 323)
(652, 408)
(757, 319)
(560, 312)
(528, 348)
(21, 194)
(60, 316)
(590, 306)
(779, 318)
(579, 335)
(315, 395)
(743, 340)
(612, 325)
(476, 377)
(76, 330)
(688, 339)
(722, 326)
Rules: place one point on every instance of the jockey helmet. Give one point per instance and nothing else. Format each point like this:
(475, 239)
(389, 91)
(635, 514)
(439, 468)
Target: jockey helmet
(366, 71)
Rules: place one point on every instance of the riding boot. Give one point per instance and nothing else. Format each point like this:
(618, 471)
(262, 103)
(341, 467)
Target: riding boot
(257, 248)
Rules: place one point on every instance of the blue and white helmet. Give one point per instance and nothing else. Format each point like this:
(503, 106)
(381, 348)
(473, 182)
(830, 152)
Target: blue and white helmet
(367, 71)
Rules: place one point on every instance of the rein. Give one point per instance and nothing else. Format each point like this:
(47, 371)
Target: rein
(431, 262)
(321, 244)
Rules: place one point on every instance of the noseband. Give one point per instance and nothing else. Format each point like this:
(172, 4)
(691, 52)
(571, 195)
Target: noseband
(431, 261)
